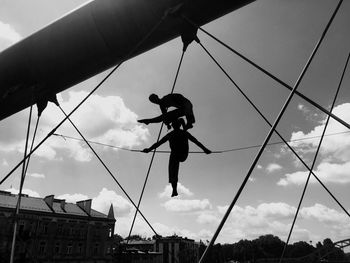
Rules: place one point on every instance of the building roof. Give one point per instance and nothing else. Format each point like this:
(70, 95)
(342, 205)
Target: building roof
(139, 242)
(28, 203)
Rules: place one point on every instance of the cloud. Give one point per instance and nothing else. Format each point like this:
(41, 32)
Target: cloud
(107, 197)
(326, 172)
(36, 175)
(105, 119)
(337, 145)
(181, 189)
(250, 222)
(325, 215)
(272, 167)
(181, 205)
(103, 201)
(24, 191)
(208, 218)
(334, 155)
(8, 35)
(4, 163)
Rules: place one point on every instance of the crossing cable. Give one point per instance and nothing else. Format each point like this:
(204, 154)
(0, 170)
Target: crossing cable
(108, 170)
(315, 104)
(201, 152)
(132, 51)
(33, 140)
(281, 113)
(18, 205)
(314, 160)
(281, 137)
(154, 151)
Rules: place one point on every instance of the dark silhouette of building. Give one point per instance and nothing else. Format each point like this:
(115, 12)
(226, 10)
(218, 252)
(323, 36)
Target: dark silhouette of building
(52, 230)
(177, 249)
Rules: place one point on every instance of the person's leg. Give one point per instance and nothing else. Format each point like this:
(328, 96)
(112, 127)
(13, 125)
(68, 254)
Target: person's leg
(189, 119)
(167, 118)
(173, 170)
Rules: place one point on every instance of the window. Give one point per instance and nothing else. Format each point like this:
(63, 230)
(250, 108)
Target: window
(42, 248)
(21, 227)
(59, 229)
(70, 248)
(45, 228)
(57, 249)
(80, 248)
(96, 247)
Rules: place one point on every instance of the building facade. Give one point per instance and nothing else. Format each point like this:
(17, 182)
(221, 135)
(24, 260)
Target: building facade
(52, 230)
(177, 249)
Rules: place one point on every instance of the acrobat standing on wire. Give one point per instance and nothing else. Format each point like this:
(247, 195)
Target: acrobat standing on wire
(183, 108)
(178, 141)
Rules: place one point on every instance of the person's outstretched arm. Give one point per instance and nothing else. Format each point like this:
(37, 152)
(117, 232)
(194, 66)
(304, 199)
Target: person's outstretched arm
(199, 144)
(157, 144)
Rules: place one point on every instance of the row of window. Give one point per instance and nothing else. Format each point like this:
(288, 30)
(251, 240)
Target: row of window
(77, 230)
(71, 248)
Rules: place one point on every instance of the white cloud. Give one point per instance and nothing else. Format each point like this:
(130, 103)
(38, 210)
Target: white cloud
(104, 119)
(325, 215)
(334, 153)
(208, 217)
(272, 167)
(250, 222)
(24, 191)
(326, 172)
(276, 210)
(181, 189)
(103, 201)
(107, 197)
(181, 205)
(36, 175)
(336, 145)
(5, 163)
(8, 35)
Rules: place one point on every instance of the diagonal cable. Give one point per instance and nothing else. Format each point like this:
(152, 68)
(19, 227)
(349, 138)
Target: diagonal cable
(281, 113)
(314, 160)
(268, 73)
(18, 205)
(154, 151)
(33, 140)
(132, 51)
(281, 137)
(107, 169)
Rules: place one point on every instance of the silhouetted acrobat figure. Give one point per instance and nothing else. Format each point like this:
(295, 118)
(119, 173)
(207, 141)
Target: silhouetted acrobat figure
(183, 108)
(178, 141)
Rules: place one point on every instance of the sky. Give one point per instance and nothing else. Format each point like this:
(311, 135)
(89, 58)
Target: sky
(278, 35)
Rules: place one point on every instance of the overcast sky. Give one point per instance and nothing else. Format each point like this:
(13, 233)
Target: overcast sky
(279, 35)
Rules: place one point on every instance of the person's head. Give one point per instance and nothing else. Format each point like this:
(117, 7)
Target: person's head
(154, 98)
(177, 123)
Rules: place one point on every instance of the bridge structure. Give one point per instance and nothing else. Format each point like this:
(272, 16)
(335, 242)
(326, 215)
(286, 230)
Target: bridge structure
(342, 243)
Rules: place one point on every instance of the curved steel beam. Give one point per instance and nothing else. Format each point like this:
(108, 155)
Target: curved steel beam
(90, 40)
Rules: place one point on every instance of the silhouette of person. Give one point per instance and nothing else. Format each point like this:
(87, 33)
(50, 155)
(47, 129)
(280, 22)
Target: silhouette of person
(178, 141)
(183, 108)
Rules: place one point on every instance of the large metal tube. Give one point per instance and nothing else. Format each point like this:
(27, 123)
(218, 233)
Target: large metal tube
(90, 40)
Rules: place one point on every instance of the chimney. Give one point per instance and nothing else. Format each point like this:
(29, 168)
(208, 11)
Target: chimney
(85, 205)
(49, 200)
